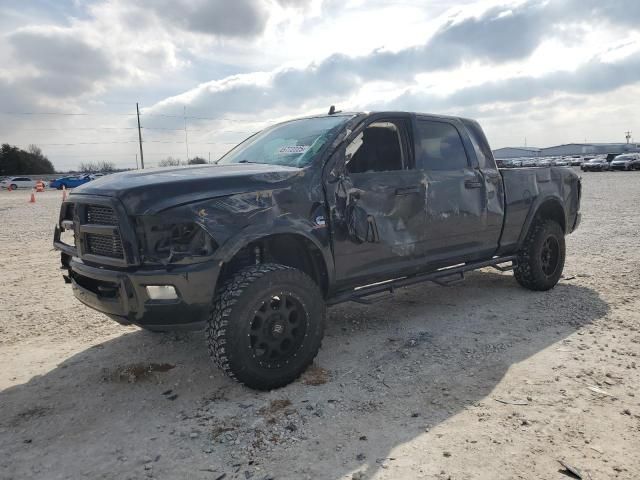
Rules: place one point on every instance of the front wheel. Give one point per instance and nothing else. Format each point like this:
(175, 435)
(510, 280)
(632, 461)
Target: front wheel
(266, 325)
(540, 261)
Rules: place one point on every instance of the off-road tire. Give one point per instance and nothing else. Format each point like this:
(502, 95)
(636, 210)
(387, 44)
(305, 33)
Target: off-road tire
(234, 308)
(529, 271)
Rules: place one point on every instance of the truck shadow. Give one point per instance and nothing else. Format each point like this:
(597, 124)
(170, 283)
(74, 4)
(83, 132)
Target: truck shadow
(393, 369)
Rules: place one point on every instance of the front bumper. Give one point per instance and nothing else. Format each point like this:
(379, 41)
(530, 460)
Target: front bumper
(122, 294)
(618, 167)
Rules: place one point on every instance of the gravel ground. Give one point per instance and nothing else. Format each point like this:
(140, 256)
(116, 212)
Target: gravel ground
(484, 380)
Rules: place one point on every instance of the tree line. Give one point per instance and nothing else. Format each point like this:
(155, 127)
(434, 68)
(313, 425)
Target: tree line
(176, 162)
(16, 161)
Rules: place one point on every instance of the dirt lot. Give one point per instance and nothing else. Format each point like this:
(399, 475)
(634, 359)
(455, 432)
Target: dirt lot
(484, 380)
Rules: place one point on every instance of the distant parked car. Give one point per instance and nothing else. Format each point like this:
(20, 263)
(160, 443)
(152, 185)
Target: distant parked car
(18, 182)
(595, 165)
(560, 162)
(627, 161)
(529, 162)
(545, 162)
(70, 182)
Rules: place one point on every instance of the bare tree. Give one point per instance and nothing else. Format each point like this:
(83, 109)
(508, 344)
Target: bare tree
(169, 162)
(98, 166)
(35, 150)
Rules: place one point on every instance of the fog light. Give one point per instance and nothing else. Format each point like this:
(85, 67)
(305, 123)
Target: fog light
(162, 292)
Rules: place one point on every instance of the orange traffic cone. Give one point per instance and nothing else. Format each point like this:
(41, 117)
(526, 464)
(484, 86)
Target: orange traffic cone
(33, 196)
(64, 193)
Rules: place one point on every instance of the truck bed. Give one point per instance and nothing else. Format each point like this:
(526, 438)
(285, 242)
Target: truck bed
(524, 189)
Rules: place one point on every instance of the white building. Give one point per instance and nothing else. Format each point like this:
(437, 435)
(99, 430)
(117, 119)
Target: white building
(568, 149)
(516, 152)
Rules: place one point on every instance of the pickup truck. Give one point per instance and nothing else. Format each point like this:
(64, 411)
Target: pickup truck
(303, 215)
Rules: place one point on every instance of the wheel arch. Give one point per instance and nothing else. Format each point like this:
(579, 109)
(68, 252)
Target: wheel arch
(286, 247)
(548, 208)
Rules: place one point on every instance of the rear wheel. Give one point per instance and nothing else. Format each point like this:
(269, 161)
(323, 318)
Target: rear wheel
(541, 259)
(266, 325)
(14, 186)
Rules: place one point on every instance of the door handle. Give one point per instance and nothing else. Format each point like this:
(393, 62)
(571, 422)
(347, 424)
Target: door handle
(407, 190)
(472, 184)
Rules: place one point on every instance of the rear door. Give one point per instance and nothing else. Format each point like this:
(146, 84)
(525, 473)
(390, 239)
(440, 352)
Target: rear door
(377, 202)
(458, 225)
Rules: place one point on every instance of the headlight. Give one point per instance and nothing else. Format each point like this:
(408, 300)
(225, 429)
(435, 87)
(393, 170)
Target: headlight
(168, 240)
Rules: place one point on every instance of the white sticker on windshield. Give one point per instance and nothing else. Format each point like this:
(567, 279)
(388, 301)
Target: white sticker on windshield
(289, 149)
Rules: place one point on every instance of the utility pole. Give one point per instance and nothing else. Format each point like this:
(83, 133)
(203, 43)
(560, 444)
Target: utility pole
(136, 161)
(186, 139)
(139, 139)
(209, 157)
(628, 136)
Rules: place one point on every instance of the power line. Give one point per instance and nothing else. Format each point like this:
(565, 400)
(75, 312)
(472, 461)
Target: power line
(163, 115)
(75, 144)
(68, 114)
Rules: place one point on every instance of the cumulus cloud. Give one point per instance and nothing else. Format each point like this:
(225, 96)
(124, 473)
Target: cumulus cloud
(116, 50)
(594, 77)
(64, 63)
(237, 18)
(498, 35)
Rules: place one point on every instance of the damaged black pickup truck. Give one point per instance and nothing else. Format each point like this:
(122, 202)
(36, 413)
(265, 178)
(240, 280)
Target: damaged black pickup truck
(302, 215)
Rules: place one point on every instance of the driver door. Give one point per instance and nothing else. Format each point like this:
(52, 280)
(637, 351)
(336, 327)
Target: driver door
(377, 204)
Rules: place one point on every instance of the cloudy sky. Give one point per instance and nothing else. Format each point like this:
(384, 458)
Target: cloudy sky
(548, 71)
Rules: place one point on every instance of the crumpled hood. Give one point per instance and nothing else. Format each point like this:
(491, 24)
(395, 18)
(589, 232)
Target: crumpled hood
(151, 191)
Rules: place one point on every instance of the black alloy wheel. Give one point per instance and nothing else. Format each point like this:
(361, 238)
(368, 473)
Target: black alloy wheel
(277, 330)
(549, 256)
(266, 325)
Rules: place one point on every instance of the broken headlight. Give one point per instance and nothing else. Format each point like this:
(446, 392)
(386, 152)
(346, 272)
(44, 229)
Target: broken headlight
(166, 241)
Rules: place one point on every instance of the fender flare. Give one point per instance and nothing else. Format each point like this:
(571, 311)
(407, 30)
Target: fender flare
(252, 233)
(552, 202)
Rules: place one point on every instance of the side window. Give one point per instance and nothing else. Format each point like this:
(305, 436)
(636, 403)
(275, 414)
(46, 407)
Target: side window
(378, 148)
(480, 145)
(439, 146)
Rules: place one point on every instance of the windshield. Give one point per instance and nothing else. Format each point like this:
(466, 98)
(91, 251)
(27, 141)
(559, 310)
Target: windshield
(623, 158)
(293, 143)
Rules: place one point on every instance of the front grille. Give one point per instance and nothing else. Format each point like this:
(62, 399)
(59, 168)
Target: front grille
(100, 215)
(105, 245)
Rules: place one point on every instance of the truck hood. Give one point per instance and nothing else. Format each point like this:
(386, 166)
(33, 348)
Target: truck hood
(146, 192)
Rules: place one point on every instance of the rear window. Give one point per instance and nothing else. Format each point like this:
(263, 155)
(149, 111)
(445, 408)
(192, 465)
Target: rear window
(440, 146)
